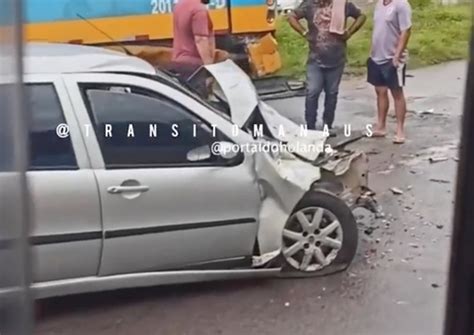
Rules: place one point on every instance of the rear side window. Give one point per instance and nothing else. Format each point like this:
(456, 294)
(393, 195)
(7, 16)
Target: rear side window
(48, 151)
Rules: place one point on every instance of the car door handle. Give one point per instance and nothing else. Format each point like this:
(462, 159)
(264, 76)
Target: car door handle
(123, 189)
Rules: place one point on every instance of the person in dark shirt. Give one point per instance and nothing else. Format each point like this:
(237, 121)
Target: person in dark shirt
(327, 53)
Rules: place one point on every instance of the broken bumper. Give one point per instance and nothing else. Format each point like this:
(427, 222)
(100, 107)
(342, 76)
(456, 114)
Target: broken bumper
(346, 174)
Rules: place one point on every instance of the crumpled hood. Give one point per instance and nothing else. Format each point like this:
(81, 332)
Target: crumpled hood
(243, 101)
(241, 95)
(306, 143)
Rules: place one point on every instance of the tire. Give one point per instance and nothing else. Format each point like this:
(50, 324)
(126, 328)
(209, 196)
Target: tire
(346, 234)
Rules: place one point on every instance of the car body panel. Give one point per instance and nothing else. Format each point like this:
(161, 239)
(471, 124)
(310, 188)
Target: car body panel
(144, 279)
(284, 183)
(182, 219)
(67, 230)
(168, 227)
(48, 58)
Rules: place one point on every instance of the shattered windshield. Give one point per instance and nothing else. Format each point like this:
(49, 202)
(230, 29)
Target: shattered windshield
(215, 99)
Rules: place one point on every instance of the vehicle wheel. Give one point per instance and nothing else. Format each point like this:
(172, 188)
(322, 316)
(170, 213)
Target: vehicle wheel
(319, 238)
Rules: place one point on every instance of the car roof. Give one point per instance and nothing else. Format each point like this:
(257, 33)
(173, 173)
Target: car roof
(52, 58)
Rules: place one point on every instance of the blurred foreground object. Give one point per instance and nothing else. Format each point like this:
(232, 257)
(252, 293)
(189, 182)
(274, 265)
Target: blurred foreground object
(15, 303)
(460, 301)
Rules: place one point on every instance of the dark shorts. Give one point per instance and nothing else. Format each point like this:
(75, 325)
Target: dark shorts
(386, 74)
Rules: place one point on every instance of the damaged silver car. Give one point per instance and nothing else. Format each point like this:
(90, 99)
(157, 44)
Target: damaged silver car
(138, 181)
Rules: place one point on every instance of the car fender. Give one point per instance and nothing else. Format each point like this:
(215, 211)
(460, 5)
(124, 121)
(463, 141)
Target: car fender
(282, 184)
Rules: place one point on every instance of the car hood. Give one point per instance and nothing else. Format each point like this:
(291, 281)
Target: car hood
(244, 102)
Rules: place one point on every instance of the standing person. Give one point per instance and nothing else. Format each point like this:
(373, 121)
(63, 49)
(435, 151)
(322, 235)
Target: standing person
(193, 37)
(387, 63)
(327, 36)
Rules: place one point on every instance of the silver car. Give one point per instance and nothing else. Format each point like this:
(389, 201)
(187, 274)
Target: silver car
(135, 180)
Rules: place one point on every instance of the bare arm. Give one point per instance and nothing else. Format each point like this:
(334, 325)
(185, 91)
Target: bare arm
(212, 45)
(404, 18)
(356, 25)
(296, 24)
(359, 19)
(203, 44)
(203, 36)
(402, 43)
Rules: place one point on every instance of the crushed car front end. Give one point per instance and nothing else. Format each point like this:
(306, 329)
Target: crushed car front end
(309, 186)
(346, 174)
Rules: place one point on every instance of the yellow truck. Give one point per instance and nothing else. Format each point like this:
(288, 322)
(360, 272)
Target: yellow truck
(244, 28)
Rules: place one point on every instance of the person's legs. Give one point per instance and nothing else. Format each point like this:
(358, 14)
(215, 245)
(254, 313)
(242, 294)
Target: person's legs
(332, 80)
(400, 112)
(382, 110)
(314, 87)
(377, 79)
(396, 82)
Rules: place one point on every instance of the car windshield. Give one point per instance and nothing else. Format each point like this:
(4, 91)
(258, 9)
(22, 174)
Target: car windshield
(215, 101)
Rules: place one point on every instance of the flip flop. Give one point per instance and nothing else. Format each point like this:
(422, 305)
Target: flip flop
(378, 133)
(398, 140)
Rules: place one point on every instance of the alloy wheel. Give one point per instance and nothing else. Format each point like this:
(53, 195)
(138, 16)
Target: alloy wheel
(312, 238)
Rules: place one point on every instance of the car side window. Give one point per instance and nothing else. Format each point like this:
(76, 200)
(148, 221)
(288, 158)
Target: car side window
(48, 151)
(137, 128)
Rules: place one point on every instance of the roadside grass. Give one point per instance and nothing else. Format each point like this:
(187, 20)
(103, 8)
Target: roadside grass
(439, 34)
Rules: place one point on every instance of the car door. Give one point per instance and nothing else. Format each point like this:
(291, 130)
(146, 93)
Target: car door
(66, 234)
(160, 210)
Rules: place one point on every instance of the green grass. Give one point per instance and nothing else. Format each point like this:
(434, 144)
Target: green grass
(439, 34)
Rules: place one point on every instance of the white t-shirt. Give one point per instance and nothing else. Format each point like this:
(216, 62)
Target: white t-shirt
(389, 23)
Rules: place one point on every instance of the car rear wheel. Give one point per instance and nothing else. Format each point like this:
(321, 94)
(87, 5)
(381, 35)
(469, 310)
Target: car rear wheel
(320, 237)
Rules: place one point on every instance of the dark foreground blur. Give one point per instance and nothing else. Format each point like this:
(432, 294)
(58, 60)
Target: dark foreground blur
(14, 297)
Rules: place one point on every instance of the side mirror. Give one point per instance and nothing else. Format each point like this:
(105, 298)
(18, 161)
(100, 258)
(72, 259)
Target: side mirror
(225, 150)
(199, 154)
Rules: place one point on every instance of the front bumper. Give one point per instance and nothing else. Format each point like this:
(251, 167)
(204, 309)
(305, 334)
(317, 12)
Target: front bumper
(346, 174)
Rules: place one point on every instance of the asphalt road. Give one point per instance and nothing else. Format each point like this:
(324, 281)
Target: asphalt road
(396, 286)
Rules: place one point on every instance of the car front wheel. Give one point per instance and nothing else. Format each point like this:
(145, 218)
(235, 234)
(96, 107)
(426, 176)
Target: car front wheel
(320, 237)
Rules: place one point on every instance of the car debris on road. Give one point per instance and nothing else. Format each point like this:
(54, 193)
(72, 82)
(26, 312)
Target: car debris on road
(437, 159)
(396, 190)
(441, 181)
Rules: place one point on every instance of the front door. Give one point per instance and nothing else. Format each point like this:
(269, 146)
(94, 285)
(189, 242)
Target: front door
(160, 209)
